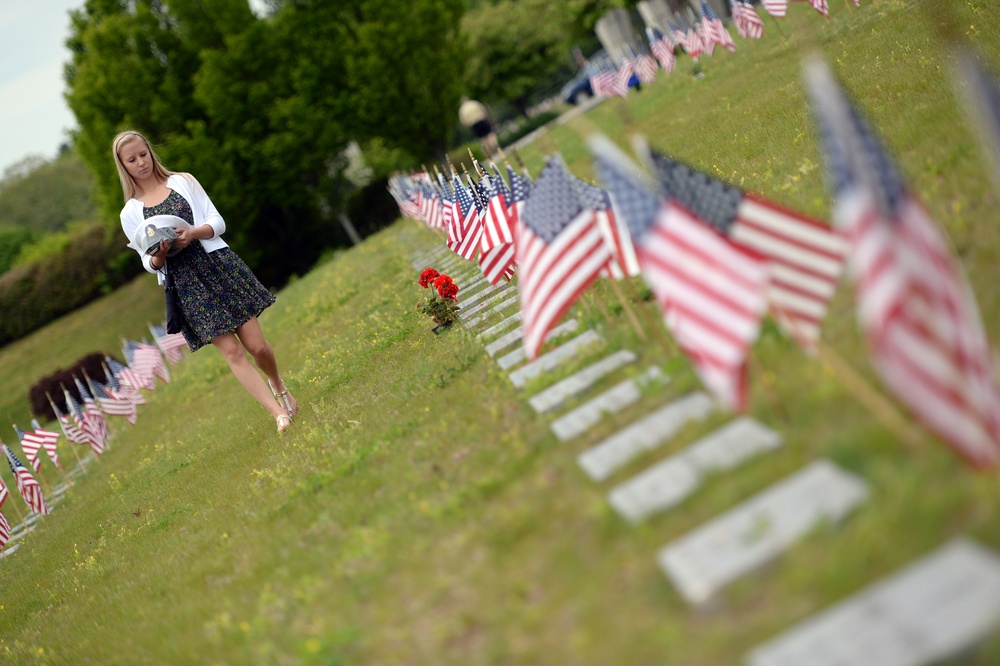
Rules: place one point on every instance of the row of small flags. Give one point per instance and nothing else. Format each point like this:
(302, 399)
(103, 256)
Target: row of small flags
(698, 37)
(86, 424)
(718, 259)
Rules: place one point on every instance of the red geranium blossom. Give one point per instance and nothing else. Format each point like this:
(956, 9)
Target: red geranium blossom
(427, 276)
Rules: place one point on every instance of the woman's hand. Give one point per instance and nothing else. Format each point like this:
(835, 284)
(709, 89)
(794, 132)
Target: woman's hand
(159, 258)
(184, 236)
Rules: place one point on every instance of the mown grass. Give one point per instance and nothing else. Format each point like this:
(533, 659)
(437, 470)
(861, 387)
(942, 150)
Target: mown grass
(420, 512)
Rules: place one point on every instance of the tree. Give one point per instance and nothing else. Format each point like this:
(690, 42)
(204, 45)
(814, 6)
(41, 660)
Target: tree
(46, 196)
(261, 110)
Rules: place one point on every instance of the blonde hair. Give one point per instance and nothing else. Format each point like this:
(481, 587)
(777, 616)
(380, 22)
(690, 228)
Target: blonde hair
(129, 187)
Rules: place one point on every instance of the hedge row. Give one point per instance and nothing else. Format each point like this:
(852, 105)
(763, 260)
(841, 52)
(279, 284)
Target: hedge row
(32, 295)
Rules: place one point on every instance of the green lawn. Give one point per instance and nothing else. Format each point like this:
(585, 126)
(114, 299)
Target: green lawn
(419, 512)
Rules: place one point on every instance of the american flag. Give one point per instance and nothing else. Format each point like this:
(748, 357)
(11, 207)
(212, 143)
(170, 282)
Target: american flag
(496, 252)
(92, 435)
(4, 529)
(804, 256)
(645, 67)
(748, 22)
(776, 8)
(446, 202)
(114, 405)
(30, 444)
(822, 7)
(26, 484)
(560, 252)
(917, 311)
(711, 293)
(122, 378)
(146, 360)
(469, 230)
(49, 439)
(982, 97)
(171, 344)
(713, 29)
(662, 48)
(4, 525)
(70, 429)
(92, 411)
(625, 72)
(624, 262)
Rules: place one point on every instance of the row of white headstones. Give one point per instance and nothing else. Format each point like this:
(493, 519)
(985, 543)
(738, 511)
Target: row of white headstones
(931, 610)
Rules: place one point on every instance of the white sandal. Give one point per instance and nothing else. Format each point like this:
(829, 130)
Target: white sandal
(284, 422)
(282, 397)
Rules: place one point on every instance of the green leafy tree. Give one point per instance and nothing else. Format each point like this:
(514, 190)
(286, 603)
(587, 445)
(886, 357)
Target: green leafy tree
(262, 110)
(46, 195)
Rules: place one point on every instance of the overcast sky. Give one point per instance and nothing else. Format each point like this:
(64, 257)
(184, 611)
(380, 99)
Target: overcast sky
(34, 118)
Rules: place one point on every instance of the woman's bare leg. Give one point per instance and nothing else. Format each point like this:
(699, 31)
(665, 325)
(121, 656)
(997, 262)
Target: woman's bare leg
(263, 355)
(232, 350)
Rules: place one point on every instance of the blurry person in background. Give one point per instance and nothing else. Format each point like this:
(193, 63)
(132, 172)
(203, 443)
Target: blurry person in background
(474, 116)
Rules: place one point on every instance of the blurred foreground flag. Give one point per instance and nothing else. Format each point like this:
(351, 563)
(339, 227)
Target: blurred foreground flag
(748, 22)
(918, 313)
(712, 294)
(804, 257)
(560, 252)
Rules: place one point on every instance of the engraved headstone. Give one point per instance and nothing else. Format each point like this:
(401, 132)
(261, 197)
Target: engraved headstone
(604, 459)
(758, 530)
(930, 611)
(576, 384)
(667, 483)
(499, 307)
(551, 359)
(518, 355)
(615, 399)
(499, 327)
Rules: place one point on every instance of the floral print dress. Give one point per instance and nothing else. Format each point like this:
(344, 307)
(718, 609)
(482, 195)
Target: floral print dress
(217, 291)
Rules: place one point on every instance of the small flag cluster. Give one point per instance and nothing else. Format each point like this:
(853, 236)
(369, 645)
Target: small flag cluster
(85, 424)
(719, 260)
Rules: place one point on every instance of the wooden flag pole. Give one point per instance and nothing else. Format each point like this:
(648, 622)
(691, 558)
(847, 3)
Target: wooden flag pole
(629, 312)
(20, 516)
(520, 162)
(867, 395)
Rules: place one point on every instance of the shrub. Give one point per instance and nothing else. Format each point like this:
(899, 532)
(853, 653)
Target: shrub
(52, 385)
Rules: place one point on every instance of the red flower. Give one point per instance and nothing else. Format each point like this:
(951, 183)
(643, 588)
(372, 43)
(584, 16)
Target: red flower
(427, 276)
(441, 280)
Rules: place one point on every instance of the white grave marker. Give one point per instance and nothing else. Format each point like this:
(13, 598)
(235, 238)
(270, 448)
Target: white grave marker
(547, 361)
(604, 459)
(615, 399)
(573, 385)
(758, 530)
(929, 611)
(666, 484)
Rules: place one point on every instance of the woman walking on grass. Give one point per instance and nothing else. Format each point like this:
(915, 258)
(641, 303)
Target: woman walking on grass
(219, 297)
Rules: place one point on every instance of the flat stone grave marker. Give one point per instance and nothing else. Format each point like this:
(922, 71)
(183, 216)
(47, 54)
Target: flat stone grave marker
(501, 326)
(551, 359)
(575, 384)
(930, 611)
(518, 355)
(10, 550)
(499, 307)
(667, 483)
(490, 289)
(615, 399)
(755, 532)
(494, 294)
(649, 432)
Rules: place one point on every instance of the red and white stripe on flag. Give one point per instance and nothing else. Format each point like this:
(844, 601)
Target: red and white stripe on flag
(4, 531)
(48, 439)
(712, 294)
(645, 68)
(554, 274)
(31, 444)
(30, 491)
(804, 258)
(748, 22)
(664, 52)
(624, 261)
(923, 327)
(776, 8)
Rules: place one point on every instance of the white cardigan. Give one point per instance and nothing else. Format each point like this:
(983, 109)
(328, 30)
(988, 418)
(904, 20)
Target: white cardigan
(202, 208)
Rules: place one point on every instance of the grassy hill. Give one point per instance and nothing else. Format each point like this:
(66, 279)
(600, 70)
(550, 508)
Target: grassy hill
(420, 512)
